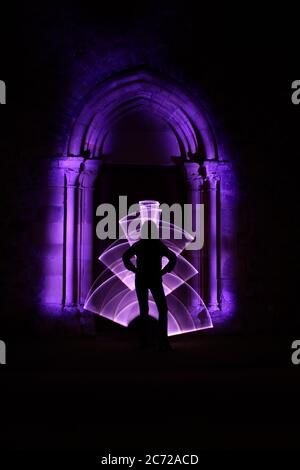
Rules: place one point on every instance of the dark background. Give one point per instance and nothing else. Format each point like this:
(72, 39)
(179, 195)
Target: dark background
(234, 390)
(242, 61)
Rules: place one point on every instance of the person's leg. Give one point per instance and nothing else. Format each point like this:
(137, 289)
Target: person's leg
(159, 298)
(142, 296)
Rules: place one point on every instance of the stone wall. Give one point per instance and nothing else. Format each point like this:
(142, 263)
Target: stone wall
(64, 56)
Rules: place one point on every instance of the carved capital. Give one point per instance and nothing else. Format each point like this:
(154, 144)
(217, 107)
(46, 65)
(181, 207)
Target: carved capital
(212, 180)
(71, 177)
(72, 168)
(89, 173)
(193, 178)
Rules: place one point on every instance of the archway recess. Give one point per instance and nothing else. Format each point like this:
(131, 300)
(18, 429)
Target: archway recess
(126, 93)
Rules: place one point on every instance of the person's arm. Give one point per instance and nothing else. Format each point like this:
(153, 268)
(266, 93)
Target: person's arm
(172, 260)
(127, 255)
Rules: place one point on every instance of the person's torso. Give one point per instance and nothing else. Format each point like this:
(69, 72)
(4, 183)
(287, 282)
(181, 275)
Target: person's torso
(149, 254)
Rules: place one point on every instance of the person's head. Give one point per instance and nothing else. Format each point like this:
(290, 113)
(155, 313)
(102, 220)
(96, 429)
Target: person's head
(149, 231)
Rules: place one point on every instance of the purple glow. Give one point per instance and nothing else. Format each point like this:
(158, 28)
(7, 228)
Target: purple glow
(112, 258)
(141, 90)
(112, 300)
(69, 239)
(113, 295)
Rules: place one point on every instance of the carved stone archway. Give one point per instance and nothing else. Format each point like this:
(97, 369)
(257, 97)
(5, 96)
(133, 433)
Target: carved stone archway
(199, 158)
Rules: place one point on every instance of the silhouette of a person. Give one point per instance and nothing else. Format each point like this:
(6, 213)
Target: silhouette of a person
(149, 251)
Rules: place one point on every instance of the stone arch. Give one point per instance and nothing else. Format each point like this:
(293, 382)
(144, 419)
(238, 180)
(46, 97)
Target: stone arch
(130, 91)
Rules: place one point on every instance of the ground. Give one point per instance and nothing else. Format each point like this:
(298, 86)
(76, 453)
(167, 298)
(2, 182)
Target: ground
(212, 391)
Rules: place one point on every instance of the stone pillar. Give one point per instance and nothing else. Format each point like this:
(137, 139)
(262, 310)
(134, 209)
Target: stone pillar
(194, 184)
(51, 198)
(72, 167)
(87, 180)
(211, 184)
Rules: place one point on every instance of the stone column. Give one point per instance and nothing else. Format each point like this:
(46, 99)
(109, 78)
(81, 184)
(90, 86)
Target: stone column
(87, 181)
(194, 184)
(211, 185)
(51, 197)
(72, 167)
